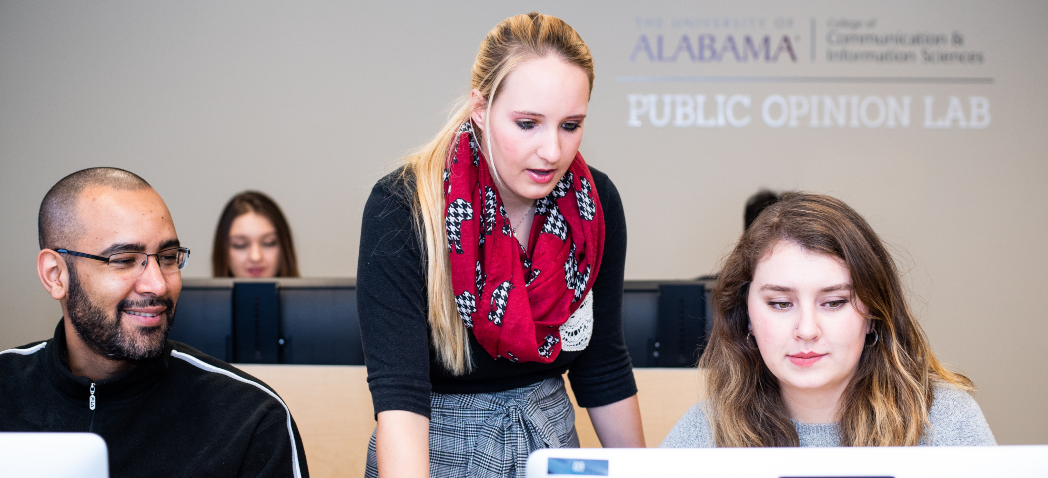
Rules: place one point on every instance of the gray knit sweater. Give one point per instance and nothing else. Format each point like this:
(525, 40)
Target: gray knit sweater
(956, 420)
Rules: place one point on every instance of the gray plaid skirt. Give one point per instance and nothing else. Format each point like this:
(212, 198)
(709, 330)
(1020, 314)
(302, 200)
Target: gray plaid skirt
(491, 434)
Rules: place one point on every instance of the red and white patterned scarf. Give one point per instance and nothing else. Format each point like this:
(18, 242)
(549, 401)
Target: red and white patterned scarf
(515, 303)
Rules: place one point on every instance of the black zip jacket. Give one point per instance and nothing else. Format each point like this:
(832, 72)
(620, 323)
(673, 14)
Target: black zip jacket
(182, 414)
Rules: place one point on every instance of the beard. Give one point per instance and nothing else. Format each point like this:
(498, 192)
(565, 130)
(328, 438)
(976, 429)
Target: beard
(106, 336)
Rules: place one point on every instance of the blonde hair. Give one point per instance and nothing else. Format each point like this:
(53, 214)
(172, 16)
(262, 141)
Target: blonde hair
(887, 401)
(512, 42)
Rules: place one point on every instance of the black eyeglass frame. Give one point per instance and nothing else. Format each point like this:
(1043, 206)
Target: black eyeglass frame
(107, 260)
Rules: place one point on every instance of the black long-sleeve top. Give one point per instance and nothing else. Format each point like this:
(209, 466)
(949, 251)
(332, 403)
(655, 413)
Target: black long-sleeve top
(392, 305)
(181, 414)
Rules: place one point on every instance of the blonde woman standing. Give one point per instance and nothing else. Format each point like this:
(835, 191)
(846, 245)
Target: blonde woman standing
(490, 264)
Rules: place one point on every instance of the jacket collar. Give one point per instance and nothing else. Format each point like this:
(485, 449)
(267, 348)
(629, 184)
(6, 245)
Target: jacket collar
(124, 387)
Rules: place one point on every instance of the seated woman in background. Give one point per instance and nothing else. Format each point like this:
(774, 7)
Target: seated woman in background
(814, 344)
(253, 239)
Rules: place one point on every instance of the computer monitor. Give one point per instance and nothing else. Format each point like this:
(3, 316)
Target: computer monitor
(666, 323)
(53, 455)
(844, 462)
(314, 320)
(290, 321)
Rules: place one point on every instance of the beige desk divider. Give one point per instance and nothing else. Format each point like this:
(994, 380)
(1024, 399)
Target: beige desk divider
(332, 407)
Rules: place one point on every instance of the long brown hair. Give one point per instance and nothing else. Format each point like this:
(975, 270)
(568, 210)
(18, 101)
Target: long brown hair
(258, 203)
(513, 41)
(887, 401)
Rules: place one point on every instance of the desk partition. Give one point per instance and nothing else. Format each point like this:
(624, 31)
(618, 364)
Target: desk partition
(314, 321)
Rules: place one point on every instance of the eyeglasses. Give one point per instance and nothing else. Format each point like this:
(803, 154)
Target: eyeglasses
(133, 263)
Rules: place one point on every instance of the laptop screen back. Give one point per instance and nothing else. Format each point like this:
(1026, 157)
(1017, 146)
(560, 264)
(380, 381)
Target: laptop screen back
(900, 462)
(53, 455)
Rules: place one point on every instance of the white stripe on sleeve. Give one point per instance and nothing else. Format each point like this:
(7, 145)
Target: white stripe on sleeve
(211, 368)
(29, 351)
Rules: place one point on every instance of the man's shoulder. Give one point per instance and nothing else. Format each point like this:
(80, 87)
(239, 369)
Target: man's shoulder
(24, 352)
(26, 370)
(212, 375)
(232, 407)
(27, 349)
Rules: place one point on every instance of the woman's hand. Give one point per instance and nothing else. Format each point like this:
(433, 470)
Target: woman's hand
(402, 444)
(618, 424)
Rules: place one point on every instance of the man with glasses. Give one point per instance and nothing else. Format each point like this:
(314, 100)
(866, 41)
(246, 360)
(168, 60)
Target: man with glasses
(110, 255)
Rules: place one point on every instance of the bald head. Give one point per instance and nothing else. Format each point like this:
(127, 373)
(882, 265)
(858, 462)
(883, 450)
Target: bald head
(58, 223)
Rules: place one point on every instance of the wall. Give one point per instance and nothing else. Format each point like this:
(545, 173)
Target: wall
(314, 101)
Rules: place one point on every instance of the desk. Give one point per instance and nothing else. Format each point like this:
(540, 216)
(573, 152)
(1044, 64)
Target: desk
(332, 407)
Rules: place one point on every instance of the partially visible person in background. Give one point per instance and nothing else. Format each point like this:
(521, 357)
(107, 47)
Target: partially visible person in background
(253, 239)
(755, 204)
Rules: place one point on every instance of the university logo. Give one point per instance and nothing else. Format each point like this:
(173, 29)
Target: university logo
(706, 48)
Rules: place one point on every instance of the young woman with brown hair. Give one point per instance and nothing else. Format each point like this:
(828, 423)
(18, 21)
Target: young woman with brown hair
(814, 344)
(490, 264)
(253, 239)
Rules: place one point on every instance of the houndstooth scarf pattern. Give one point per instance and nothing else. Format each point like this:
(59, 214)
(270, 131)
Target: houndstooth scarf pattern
(514, 301)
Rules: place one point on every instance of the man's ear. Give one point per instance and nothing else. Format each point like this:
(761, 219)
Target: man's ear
(478, 106)
(54, 274)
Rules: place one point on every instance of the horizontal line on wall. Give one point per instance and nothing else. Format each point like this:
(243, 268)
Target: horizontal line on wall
(902, 80)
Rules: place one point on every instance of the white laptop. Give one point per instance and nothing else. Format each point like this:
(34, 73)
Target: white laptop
(869, 462)
(53, 455)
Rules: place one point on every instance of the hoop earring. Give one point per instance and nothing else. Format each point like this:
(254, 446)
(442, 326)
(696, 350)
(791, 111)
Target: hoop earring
(748, 344)
(876, 337)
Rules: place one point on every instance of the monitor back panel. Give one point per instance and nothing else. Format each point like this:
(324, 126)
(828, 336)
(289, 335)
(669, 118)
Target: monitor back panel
(320, 326)
(291, 321)
(314, 321)
(204, 318)
(53, 455)
(845, 462)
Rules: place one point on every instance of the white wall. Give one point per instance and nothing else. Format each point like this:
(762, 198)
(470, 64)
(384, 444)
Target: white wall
(312, 102)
